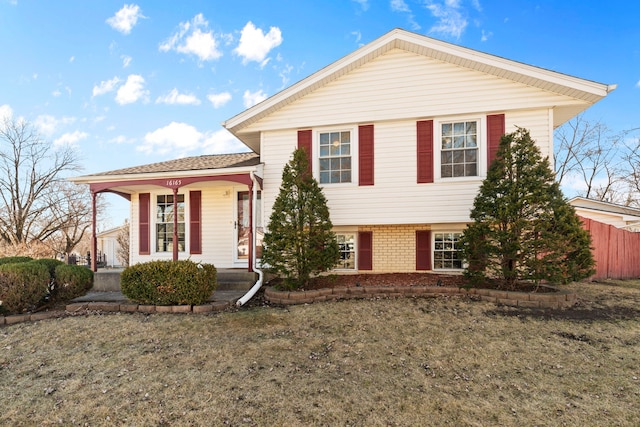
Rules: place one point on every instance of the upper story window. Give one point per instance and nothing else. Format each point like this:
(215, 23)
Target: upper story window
(164, 223)
(459, 149)
(335, 157)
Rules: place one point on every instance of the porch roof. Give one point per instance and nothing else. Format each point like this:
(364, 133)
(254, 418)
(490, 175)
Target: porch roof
(175, 173)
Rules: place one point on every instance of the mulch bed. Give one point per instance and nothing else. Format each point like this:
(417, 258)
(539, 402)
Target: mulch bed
(404, 279)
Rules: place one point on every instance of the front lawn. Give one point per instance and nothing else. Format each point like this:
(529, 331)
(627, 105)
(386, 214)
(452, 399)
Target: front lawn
(429, 361)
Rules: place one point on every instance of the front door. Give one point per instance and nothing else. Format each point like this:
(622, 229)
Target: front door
(242, 226)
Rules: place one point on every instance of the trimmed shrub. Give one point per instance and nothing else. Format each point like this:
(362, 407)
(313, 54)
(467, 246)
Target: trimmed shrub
(15, 259)
(180, 282)
(71, 281)
(23, 286)
(51, 264)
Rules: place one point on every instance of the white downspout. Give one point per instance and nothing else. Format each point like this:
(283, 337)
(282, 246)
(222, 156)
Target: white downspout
(242, 301)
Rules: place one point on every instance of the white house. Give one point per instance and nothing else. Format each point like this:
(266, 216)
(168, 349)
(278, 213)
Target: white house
(624, 217)
(108, 246)
(399, 134)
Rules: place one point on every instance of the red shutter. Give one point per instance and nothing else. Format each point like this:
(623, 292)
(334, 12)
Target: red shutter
(495, 130)
(365, 154)
(365, 250)
(304, 141)
(423, 250)
(195, 225)
(144, 246)
(424, 132)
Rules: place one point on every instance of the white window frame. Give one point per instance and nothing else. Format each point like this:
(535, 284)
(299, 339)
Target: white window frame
(153, 220)
(354, 154)
(433, 250)
(355, 249)
(481, 166)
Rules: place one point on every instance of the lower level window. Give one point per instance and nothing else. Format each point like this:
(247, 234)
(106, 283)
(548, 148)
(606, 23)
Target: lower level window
(346, 243)
(165, 215)
(446, 253)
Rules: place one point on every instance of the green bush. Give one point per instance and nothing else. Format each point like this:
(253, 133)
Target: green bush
(51, 265)
(15, 259)
(23, 286)
(169, 282)
(71, 281)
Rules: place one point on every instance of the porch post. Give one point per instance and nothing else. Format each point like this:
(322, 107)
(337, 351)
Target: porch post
(175, 224)
(94, 238)
(250, 269)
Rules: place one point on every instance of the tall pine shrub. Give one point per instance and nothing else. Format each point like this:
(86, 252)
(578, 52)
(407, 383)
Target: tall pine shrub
(299, 241)
(524, 229)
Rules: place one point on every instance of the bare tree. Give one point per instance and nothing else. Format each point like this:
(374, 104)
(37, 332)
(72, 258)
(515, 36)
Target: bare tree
(31, 176)
(594, 156)
(123, 238)
(75, 216)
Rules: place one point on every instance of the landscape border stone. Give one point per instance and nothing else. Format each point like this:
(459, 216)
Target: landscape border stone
(560, 298)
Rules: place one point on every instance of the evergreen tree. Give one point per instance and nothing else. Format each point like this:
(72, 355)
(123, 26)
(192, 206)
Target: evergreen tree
(299, 241)
(524, 229)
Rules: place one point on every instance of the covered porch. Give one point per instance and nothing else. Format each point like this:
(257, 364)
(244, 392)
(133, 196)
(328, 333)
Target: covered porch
(198, 208)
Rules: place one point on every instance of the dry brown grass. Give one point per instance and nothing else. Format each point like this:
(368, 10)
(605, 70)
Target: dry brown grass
(437, 361)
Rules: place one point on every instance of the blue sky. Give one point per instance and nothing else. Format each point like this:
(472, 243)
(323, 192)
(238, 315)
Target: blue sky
(134, 83)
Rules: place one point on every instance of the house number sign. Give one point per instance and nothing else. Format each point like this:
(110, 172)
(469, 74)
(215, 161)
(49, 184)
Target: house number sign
(174, 183)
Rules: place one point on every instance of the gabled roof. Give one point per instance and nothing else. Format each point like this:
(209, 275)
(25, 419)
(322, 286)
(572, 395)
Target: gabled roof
(598, 205)
(547, 80)
(197, 163)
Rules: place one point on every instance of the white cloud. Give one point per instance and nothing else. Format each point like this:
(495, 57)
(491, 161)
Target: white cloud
(255, 45)
(48, 125)
(182, 139)
(222, 142)
(219, 99)
(132, 90)
(70, 139)
(252, 98)
(56, 93)
(105, 86)
(399, 6)
(174, 97)
(485, 35)
(193, 38)
(121, 139)
(363, 3)
(5, 112)
(175, 136)
(450, 18)
(638, 84)
(126, 18)
(126, 60)
(73, 58)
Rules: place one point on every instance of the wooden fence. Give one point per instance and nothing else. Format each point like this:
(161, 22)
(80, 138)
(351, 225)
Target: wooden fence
(616, 251)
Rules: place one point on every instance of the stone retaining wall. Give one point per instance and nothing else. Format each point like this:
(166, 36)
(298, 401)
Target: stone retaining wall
(558, 299)
(112, 307)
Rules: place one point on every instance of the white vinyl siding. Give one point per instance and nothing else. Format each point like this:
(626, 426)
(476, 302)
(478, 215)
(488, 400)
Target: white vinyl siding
(400, 85)
(216, 223)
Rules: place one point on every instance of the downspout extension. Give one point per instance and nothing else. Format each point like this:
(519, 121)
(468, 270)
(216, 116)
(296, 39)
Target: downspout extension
(242, 301)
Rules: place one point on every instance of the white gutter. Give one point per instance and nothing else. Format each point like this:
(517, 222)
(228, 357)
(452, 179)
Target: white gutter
(242, 301)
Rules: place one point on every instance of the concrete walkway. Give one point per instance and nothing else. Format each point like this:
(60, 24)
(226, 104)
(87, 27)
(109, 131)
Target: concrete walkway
(111, 296)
